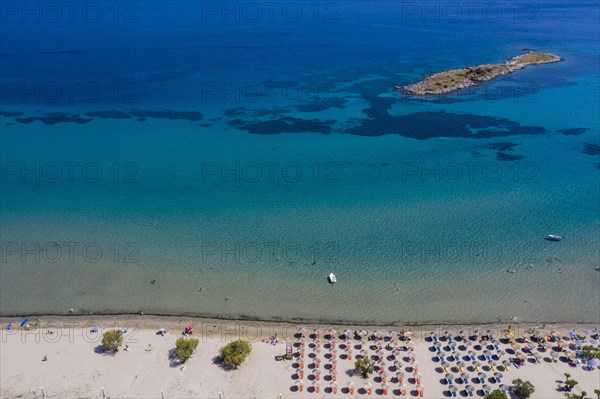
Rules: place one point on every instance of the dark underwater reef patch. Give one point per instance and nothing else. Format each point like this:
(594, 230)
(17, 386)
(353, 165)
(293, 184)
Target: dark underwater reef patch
(10, 114)
(502, 156)
(168, 114)
(575, 131)
(323, 105)
(591, 149)
(502, 146)
(427, 125)
(285, 124)
(54, 118)
(108, 114)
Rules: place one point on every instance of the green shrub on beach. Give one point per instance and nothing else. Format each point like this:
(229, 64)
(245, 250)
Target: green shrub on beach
(495, 395)
(185, 347)
(234, 353)
(582, 395)
(111, 340)
(588, 352)
(523, 389)
(365, 366)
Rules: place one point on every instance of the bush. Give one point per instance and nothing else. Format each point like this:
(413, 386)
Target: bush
(185, 347)
(523, 389)
(588, 352)
(365, 366)
(570, 384)
(495, 395)
(111, 340)
(234, 353)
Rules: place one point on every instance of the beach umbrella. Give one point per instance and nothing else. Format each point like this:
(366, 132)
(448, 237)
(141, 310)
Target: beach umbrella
(573, 334)
(515, 346)
(586, 332)
(452, 390)
(477, 363)
(160, 330)
(481, 376)
(500, 353)
(347, 332)
(317, 373)
(554, 355)
(188, 330)
(486, 388)
(362, 333)
(334, 387)
(563, 344)
(555, 334)
(525, 335)
(464, 377)
(350, 386)
(23, 322)
(467, 344)
(445, 365)
(469, 389)
(509, 336)
(420, 389)
(449, 377)
(506, 363)
(317, 387)
(498, 376)
(521, 356)
(400, 376)
(460, 364)
(492, 364)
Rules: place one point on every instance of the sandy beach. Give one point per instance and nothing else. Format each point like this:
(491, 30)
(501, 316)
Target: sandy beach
(77, 367)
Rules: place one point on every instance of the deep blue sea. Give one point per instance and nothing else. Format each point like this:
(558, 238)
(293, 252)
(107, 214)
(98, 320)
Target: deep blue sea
(222, 158)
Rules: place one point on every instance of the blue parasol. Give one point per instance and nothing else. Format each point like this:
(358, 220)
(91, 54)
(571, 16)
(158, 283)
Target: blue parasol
(24, 322)
(593, 363)
(586, 332)
(572, 333)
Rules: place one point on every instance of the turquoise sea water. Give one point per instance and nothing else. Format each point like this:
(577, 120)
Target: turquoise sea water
(303, 161)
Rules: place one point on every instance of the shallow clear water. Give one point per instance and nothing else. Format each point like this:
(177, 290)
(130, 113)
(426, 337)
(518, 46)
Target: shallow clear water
(229, 222)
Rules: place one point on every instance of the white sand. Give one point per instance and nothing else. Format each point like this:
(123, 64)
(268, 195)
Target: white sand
(75, 369)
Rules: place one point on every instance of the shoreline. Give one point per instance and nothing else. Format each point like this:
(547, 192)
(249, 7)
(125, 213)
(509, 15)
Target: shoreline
(295, 321)
(148, 321)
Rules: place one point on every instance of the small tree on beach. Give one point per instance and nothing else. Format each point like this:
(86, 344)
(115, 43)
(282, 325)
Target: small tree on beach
(234, 353)
(583, 395)
(112, 340)
(597, 392)
(588, 352)
(523, 389)
(365, 366)
(185, 347)
(570, 384)
(495, 395)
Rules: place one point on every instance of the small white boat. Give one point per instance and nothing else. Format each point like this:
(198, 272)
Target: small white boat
(554, 237)
(331, 278)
